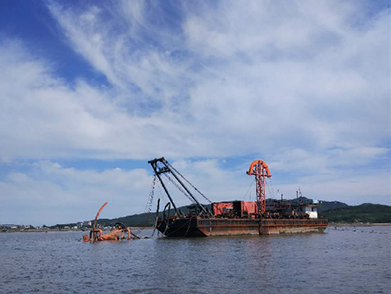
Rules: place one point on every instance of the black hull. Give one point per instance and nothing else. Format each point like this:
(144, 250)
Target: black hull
(200, 227)
(180, 228)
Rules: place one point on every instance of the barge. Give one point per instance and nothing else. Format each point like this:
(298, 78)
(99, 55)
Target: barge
(232, 217)
(202, 227)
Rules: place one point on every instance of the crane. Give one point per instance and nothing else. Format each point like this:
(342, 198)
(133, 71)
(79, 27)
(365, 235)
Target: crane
(260, 170)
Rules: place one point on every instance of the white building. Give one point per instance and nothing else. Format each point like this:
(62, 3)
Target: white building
(87, 224)
(311, 210)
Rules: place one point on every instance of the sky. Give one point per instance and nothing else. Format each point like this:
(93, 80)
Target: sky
(92, 90)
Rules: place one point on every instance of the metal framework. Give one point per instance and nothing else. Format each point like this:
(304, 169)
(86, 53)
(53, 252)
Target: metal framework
(165, 168)
(260, 170)
(117, 233)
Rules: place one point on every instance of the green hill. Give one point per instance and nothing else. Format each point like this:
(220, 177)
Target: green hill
(325, 205)
(141, 220)
(136, 220)
(366, 213)
(334, 211)
(329, 205)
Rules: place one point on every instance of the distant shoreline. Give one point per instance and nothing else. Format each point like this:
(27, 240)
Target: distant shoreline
(64, 230)
(146, 228)
(358, 224)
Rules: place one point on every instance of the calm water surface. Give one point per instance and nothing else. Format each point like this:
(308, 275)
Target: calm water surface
(342, 260)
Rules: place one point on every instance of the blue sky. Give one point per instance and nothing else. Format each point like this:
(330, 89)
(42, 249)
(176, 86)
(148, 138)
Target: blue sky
(92, 90)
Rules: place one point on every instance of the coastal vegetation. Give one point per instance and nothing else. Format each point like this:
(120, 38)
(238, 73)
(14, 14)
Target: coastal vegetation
(333, 211)
(364, 213)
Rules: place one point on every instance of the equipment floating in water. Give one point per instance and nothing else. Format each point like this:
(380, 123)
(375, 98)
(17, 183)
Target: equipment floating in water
(119, 232)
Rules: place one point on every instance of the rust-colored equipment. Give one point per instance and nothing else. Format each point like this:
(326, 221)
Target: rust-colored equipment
(260, 170)
(117, 233)
(229, 217)
(234, 209)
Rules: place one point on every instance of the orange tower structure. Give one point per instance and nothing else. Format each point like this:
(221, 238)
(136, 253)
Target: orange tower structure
(260, 170)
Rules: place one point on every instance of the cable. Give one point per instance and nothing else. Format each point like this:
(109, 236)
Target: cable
(252, 183)
(206, 198)
(179, 188)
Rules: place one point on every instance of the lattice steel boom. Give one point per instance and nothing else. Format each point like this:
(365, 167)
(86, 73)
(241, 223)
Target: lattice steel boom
(260, 170)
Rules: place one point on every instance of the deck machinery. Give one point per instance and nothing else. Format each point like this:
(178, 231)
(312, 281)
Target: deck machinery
(229, 217)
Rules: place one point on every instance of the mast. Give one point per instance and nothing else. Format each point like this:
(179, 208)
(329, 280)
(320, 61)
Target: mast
(153, 163)
(167, 169)
(260, 170)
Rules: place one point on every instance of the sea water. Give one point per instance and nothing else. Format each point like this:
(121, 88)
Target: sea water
(341, 260)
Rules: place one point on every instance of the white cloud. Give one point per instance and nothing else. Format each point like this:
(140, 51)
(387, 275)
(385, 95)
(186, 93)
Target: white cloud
(354, 191)
(304, 85)
(294, 76)
(48, 187)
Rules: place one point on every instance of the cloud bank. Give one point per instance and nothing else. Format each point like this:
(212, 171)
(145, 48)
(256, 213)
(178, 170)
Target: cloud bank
(303, 85)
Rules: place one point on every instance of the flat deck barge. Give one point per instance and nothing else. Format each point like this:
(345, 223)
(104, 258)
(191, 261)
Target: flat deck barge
(199, 227)
(232, 217)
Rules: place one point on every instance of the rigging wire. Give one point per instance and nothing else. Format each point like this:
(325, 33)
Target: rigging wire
(206, 198)
(270, 188)
(179, 188)
(252, 183)
(163, 195)
(148, 206)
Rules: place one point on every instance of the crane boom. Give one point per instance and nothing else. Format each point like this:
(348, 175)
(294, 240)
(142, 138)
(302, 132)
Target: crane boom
(260, 170)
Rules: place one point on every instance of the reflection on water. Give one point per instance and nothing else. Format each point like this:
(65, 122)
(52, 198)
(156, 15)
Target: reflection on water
(342, 260)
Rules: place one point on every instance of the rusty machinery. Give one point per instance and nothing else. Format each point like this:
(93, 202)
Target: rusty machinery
(117, 233)
(260, 170)
(161, 167)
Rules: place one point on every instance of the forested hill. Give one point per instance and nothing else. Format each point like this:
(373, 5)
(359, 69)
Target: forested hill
(365, 213)
(329, 205)
(141, 220)
(334, 211)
